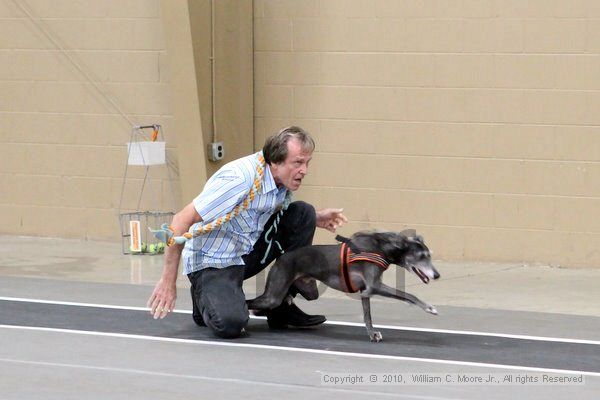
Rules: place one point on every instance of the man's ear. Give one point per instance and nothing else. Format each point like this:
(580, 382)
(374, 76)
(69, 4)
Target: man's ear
(274, 170)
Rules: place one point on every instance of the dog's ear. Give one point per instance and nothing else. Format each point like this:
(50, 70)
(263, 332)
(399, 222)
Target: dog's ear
(381, 241)
(385, 237)
(419, 241)
(392, 242)
(416, 239)
(401, 242)
(409, 232)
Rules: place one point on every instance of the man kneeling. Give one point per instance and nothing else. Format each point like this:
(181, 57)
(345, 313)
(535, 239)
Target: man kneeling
(246, 219)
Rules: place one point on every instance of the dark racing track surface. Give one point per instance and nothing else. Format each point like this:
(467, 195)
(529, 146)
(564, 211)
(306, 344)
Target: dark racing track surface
(348, 339)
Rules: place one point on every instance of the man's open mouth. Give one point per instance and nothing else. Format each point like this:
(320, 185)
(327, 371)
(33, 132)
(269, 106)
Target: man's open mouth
(421, 275)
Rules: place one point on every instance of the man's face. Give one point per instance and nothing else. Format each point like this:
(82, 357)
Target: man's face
(292, 170)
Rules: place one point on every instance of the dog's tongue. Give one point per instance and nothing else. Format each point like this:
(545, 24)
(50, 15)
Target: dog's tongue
(424, 278)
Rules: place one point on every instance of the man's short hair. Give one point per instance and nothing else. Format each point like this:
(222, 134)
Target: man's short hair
(275, 149)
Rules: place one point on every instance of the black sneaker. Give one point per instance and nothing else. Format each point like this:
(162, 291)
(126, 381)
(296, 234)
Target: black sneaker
(290, 315)
(196, 314)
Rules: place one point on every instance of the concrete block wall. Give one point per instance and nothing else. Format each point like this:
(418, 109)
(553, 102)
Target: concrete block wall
(62, 143)
(476, 122)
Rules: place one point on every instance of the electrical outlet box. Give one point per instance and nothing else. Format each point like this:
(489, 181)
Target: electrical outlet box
(216, 151)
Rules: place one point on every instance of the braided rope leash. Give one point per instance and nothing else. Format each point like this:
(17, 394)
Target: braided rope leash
(166, 233)
(260, 172)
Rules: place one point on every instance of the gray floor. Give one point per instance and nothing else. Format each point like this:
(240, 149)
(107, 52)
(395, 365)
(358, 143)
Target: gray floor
(73, 325)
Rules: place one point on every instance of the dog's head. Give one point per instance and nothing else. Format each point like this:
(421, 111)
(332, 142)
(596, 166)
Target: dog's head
(406, 249)
(417, 259)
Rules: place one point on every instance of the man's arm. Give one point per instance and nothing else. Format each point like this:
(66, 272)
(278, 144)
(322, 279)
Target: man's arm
(163, 298)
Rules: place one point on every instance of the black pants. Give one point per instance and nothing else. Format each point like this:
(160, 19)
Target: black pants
(218, 291)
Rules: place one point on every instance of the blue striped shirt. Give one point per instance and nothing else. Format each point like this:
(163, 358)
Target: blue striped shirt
(228, 187)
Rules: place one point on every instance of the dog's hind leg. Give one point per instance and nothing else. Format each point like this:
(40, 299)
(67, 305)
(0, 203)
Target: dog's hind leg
(386, 291)
(375, 336)
(271, 298)
(279, 280)
(307, 287)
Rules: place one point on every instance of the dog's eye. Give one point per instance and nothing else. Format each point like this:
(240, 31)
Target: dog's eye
(423, 254)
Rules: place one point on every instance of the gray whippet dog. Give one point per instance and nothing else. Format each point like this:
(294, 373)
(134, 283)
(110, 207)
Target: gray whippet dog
(355, 265)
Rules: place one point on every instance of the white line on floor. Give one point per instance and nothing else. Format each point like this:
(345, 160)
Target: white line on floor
(340, 323)
(302, 350)
(216, 379)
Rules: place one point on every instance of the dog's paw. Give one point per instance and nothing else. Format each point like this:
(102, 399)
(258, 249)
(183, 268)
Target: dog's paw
(376, 337)
(431, 310)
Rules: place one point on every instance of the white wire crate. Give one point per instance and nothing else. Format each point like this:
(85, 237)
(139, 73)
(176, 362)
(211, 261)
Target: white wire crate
(140, 240)
(146, 152)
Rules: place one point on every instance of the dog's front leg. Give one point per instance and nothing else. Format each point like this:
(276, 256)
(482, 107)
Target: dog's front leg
(375, 336)
(386, 291)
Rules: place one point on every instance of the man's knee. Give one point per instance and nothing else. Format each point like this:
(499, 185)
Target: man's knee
(303, 213)
(231, 328)
(227, 326)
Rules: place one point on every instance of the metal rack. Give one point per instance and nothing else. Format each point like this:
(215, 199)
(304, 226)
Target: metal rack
(146, 152)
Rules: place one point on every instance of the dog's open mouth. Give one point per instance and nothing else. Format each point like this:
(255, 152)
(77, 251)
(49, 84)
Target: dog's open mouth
(421, 275)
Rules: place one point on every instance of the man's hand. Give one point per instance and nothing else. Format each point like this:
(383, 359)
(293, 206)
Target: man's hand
(162, 301)
(331, 218)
